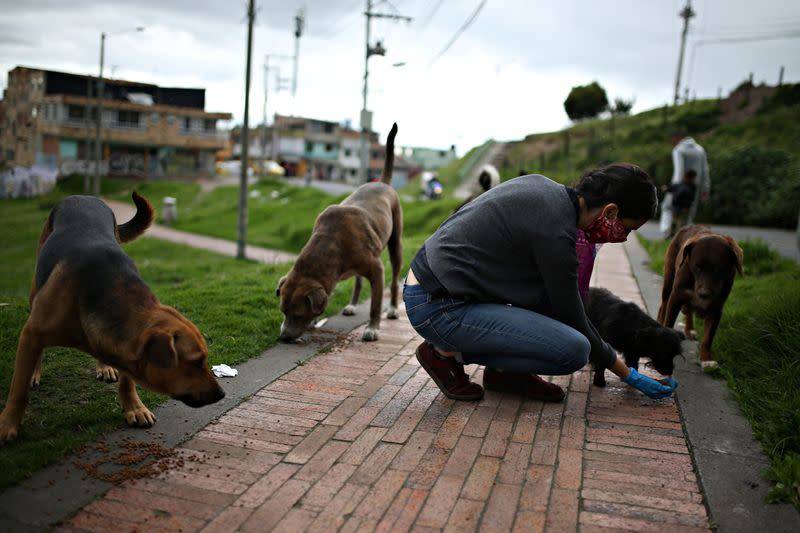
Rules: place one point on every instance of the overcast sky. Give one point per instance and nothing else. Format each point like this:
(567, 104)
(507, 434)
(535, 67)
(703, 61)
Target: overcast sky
(506, 76)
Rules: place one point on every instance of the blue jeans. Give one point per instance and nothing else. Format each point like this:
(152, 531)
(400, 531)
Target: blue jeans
(496, 335)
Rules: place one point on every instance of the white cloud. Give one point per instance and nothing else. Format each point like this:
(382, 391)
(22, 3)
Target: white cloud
(505, 77)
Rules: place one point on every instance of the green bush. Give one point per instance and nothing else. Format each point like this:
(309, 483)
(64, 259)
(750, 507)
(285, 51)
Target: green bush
(696, 121)
(753, 186)
(785, 96)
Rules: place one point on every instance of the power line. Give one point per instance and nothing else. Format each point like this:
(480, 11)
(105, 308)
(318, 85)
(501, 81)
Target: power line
(431, 14)
(458, 33)
(768, 37)
(787, 35)
(350, 11)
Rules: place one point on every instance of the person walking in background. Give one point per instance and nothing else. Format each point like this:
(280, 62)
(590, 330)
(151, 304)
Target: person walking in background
(683, 196)
(686, 155)
(498, 284)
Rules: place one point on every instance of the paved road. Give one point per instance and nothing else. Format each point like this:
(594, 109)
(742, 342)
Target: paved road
(782, 241)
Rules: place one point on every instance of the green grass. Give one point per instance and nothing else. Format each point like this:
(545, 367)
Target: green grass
(758, 348)
(232, 302)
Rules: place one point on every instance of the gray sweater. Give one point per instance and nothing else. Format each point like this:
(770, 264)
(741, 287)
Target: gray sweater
(514, 244)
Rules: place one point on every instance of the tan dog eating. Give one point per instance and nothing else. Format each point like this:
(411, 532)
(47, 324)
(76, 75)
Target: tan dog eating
(347, 240)
(699, 269)
(87, 294)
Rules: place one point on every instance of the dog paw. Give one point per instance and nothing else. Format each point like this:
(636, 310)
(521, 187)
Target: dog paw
(349, 310)
(599, 382)
(36, 379)
(709, 365)
(392, 312)
(8, 430)
(140, 417)
(106, 373)
(370, 334)
(690, 334)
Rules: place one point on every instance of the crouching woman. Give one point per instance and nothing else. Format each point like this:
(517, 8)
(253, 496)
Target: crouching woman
(497, 284)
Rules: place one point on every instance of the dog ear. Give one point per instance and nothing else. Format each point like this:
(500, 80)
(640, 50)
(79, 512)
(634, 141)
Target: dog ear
(317, 300)
(685, 252)
(737, 253)
(159, 349)
(280, 284)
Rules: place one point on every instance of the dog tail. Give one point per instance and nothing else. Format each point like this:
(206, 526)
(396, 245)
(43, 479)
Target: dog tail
(140, 221)
(388, 165)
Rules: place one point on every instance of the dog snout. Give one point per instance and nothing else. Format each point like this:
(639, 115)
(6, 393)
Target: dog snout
(195, 399)
(283, 337)
(704, 293)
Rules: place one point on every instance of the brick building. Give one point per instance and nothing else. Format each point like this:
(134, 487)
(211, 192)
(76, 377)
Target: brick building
(328, 151)
(147, 130)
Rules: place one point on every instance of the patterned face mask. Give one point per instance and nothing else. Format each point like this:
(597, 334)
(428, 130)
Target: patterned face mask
(604, 229)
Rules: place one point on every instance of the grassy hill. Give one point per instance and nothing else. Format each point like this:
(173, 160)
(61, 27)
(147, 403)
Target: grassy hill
(752, 139)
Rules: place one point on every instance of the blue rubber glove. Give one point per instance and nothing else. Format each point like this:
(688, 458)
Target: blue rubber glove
(652, 388)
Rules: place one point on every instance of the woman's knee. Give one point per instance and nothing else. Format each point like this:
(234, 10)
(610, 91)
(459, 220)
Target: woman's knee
(576, 352)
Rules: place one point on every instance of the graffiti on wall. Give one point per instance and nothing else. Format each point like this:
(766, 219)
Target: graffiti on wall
(81, 166)
(122, 164)
(27, 182)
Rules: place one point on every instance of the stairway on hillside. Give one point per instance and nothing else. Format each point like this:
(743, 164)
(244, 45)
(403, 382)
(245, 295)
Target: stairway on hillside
(495, 155)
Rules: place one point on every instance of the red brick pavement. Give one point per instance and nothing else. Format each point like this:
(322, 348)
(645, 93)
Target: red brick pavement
(360, 439)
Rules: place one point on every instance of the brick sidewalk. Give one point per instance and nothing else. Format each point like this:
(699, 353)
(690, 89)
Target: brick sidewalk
(360, 439)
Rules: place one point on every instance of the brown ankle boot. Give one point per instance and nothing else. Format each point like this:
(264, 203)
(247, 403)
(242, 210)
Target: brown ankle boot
(448, 374)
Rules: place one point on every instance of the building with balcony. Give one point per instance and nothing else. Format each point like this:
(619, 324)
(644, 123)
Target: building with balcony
(428, 158)
(349, 161)
(146, 130)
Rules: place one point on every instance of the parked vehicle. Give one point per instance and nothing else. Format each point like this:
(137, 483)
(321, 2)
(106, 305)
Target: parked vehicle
(432, 188)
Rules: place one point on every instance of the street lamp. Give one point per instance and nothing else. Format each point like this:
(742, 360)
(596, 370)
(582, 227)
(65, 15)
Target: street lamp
(366, 115)
(100, 89)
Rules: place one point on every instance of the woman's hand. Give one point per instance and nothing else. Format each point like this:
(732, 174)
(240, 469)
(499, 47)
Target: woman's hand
(652, 388)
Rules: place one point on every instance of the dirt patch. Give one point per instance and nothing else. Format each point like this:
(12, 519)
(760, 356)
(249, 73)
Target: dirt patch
(128, 459)
(744, 102)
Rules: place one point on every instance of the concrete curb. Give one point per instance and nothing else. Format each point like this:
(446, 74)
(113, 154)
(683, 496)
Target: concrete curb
(728, 459)
(56, 492)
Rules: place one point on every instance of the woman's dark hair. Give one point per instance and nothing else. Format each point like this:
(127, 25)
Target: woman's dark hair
(624, 184)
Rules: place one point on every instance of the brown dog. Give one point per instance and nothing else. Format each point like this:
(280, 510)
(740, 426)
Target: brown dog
(699, 269)
(87, 294)
(347, 241)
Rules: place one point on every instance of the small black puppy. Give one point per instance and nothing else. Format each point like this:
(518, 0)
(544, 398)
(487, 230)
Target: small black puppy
(626, 327)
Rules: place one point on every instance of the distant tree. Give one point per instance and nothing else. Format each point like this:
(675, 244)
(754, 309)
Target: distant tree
(586, 101)
(621, 106)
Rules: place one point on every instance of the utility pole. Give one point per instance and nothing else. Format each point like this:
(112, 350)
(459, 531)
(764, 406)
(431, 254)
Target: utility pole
(241, 241)
(266, 87)
(97, 145)
(366, 116)
(686, 13)
(87, 185)
(264, 112)
(299, 24)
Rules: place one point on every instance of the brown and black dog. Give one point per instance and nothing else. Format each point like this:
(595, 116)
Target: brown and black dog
(87, 294)
(347, 240)
(699, 269)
